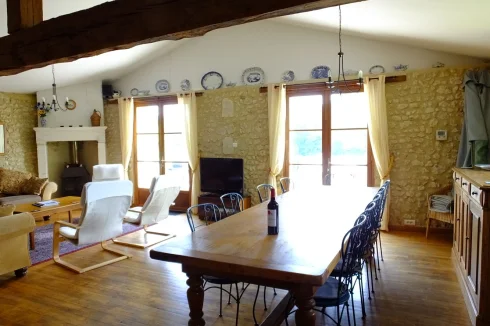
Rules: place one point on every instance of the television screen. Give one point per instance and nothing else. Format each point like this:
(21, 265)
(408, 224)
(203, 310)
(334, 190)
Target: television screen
(221, 175)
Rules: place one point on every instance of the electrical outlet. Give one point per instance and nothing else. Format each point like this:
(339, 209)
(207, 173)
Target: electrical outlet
(409, 222)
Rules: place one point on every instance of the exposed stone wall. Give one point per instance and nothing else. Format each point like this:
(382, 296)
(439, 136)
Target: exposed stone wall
(428, 101)
(248, 127)
(19, 118)
(113, 142)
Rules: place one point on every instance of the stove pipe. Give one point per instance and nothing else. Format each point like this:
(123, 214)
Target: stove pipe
(74, 153)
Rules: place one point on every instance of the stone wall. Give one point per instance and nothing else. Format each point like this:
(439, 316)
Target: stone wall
(428, 101)
(19, 117)
(113, 142)
(247, 127)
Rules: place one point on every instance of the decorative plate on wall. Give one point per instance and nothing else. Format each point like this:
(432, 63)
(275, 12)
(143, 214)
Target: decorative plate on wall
(162, 86)
(185, 85)
(212, 80)
(71, 105)
(253, 76)
(288, 76)
(134, 92)
(377, 69)
(320, 72)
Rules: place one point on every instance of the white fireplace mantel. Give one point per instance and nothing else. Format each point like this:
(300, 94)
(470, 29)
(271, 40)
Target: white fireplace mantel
(46, 135)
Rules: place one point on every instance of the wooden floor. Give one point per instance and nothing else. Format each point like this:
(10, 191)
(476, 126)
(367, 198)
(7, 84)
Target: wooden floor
(416, 286)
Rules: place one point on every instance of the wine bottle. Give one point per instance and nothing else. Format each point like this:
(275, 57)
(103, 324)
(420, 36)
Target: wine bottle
(273, 215)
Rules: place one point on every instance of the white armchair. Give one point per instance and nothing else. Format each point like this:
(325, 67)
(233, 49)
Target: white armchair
(108, 172)
(104, 205)
(163, 192)
(14, 249)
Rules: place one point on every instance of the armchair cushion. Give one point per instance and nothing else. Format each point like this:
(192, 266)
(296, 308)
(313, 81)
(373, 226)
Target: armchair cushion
(11, 182)
(68, 232)
(132, 217)
(7, 210)
(14, 252)
(108, 172)
(34, 185)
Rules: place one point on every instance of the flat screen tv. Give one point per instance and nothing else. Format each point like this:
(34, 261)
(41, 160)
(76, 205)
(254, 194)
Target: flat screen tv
(221, 175)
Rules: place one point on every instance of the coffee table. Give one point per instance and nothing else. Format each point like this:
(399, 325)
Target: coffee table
(66, 204)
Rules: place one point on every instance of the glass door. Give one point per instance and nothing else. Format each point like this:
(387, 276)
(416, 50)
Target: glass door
(327, 138)
(160, 147)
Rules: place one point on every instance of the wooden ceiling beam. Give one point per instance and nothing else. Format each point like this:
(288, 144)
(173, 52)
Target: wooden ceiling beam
(123, 24)
(23, 14)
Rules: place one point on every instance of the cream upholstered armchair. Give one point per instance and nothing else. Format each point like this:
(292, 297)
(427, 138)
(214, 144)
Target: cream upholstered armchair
(104, 205)
(107, 172)
(163, 192)
(14, 249)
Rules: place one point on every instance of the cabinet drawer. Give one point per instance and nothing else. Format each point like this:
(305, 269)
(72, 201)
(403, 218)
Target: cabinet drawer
(457, 179)
(465, 184)
(476, 194)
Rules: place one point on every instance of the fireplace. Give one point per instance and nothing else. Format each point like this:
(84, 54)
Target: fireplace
(55, 134)
(74, 175)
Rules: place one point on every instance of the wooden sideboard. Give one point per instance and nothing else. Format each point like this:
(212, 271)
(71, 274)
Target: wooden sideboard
(471, 241)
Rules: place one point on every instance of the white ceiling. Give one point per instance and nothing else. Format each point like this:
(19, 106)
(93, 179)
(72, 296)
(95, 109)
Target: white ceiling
(455, 26)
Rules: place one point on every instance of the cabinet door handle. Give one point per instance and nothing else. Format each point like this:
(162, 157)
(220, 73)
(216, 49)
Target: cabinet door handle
(457, 179)
(474, 193)
(457, 219)
(465, 183)
(467, 238)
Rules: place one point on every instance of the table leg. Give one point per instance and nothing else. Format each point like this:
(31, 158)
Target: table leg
(69, 216)
(32, 243)
(195, 297)
(305, 315)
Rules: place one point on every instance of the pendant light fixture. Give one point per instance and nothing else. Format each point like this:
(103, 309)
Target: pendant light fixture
(341, 82)
(54, 105)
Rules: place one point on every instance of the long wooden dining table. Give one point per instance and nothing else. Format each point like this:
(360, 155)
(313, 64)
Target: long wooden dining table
(300, 258)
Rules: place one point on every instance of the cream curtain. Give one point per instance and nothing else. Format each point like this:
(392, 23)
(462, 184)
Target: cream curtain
(277, 130)
(126, 119)
(378, 134)
(188, 101)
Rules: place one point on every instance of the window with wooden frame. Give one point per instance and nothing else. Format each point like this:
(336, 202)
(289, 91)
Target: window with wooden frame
(160, 146)
(327, 139)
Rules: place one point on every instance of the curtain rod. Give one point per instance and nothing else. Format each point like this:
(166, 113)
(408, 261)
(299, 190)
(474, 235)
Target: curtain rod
(388, 80)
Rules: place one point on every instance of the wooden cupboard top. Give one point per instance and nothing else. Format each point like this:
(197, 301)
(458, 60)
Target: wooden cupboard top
(311, 227)
(477, 177)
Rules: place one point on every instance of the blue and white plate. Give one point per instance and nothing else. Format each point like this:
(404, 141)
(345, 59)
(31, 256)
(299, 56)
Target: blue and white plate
(320, 72)
(253, 76)
(401, 67)
(185, 85)
(212, 80)
(162, 86)
(288, 76)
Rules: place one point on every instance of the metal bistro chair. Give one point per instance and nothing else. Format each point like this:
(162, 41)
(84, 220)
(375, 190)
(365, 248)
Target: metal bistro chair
(234, 201)
(286, 184)
(213, 211)
(264, 191)
(355, 271)
(385, 189)
(373, 212)
(336, 290)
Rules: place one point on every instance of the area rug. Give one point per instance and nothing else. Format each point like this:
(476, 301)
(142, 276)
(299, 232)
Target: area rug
(43, 237)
